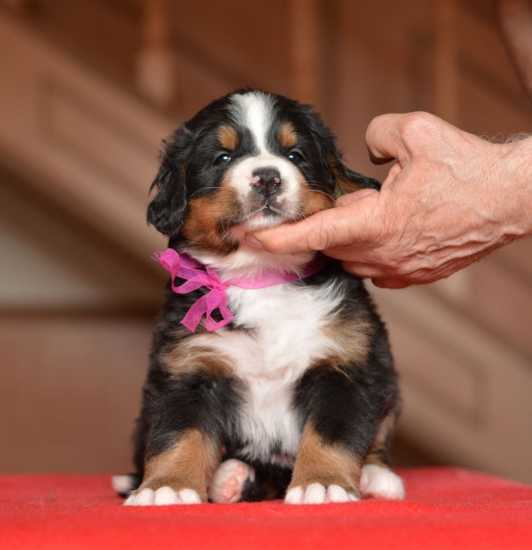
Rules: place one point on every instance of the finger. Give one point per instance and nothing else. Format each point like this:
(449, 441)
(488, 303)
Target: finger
(313, 233)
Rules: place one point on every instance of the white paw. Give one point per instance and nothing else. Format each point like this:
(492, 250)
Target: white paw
(318, 494)
(381, 482)
(162, 497)
(228, 481)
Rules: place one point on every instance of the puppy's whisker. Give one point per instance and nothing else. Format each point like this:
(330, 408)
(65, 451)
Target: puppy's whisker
(326, 193)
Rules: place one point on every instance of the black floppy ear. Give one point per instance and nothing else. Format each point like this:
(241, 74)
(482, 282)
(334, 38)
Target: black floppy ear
(166, 212)
(346, 180)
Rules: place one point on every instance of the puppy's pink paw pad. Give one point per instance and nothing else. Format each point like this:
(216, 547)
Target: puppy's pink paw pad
(228, 481)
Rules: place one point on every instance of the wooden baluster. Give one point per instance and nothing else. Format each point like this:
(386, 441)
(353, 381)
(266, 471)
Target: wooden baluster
(515, 17)
(156, 63)
(445, 76)
(305, 51)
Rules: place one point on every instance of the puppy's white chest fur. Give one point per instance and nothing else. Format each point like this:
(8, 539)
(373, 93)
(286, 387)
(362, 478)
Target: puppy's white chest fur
(287, 332)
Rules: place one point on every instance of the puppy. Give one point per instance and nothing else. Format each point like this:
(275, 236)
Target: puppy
(270, 376)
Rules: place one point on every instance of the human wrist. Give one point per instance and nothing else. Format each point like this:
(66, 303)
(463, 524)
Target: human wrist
(516, 166)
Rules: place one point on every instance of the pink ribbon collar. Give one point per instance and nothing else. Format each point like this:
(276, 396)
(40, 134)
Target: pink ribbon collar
(196, 276)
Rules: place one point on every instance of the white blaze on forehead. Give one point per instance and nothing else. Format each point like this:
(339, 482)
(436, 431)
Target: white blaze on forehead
(254, 110)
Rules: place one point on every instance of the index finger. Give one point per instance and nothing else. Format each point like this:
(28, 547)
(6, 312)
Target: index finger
(289, 238)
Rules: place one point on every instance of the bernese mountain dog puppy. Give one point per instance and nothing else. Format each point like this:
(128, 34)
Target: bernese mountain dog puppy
(270, 376)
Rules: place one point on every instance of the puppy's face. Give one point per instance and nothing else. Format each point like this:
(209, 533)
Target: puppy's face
(247, 161)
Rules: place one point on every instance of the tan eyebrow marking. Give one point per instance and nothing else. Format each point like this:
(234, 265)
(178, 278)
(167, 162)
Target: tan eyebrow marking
(287, 135)
(228, 137)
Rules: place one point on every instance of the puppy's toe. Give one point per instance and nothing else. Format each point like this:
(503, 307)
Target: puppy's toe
(165, 496)
(144, 497)
(229, 480)
(381, 483)
(335, 493)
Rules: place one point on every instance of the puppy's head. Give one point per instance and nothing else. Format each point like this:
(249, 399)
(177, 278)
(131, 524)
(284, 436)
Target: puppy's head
(247, 161)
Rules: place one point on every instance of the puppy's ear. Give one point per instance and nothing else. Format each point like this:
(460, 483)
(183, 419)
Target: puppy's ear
(166, 212)
(346, 180)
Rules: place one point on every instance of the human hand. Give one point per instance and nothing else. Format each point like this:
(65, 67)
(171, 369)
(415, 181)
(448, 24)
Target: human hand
(450, 199)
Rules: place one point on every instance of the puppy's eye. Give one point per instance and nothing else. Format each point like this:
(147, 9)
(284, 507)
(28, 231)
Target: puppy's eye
(222, 159)
(296, 158)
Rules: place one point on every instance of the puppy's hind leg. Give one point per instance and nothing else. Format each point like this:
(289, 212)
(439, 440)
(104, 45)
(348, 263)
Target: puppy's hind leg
(230, 481)
(237, 481)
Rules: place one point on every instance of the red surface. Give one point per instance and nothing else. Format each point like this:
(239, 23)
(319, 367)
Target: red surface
(445, 508)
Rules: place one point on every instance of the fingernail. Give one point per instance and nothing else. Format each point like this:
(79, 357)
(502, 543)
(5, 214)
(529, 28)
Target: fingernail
(252, 241)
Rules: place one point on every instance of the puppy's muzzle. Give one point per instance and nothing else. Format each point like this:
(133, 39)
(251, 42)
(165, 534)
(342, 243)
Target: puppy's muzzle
(266, 182)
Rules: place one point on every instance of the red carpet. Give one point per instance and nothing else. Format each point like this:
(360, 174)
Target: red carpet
(445, 508)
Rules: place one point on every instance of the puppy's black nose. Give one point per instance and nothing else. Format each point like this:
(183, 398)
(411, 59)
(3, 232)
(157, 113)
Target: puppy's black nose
(266, 181)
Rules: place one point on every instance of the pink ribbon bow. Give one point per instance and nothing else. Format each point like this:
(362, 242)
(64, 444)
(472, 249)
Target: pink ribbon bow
(185, 267)
(196, 276)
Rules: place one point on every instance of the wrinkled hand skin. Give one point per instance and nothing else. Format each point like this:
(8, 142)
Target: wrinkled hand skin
(449, 199)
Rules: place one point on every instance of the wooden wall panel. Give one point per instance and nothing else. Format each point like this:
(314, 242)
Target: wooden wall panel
(70, 389)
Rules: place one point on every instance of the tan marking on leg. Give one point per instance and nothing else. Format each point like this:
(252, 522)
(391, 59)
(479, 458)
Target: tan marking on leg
(189, 464)
(228, 137)
(287, 135)
(318, 462)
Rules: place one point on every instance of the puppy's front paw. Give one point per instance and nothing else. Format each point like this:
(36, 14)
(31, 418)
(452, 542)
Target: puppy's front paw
(229, 480)
(162, 496)
(316, 493)
(381, 483)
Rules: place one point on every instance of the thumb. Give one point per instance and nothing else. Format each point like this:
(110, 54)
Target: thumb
(338, 226)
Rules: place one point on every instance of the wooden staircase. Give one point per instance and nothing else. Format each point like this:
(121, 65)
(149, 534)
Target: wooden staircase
(79, 140)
